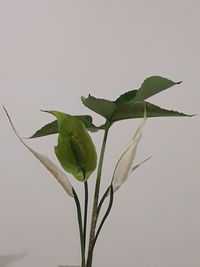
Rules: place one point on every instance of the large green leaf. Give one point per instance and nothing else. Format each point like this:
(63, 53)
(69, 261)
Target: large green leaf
(131, 110)
(150, 87)
(52, 128)
(124, 106)
(75, 149)
(103, 107)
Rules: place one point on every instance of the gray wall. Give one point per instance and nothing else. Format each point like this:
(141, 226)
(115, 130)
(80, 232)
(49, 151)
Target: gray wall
(53, 52)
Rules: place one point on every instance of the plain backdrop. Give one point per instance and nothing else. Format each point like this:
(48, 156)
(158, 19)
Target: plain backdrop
(51, 54)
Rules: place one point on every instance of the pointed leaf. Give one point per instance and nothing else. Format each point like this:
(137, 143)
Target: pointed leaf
(52, 127)
(75, 149)
(124, 165)
(103, 107)
(47, 163)
(152, 86)
(131, 110)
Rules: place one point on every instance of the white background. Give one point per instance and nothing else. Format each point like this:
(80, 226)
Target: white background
(53, 52)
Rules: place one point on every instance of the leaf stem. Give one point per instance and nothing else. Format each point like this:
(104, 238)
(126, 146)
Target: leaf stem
(85, 213)
(105, 216)
(79, 215)
(102, 200)
(96, 198)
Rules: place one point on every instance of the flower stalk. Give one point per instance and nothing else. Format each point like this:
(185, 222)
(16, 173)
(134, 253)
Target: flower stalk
(85, 213)
(81, 232)
(96, 199)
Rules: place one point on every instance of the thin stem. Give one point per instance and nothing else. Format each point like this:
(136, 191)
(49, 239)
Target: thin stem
(96, 199)
(105, 216)
(79, 215)
(85, 213)
(102, 200)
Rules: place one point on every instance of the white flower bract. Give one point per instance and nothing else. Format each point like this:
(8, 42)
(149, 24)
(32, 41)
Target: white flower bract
(46, 162)
(124, 164)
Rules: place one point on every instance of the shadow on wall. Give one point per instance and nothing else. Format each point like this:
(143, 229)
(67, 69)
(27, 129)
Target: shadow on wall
(9, 259)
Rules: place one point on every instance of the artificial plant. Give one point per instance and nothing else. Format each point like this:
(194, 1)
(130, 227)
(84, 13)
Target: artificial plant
(77, 154)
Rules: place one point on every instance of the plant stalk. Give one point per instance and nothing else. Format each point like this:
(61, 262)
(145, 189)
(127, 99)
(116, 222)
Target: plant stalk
(79, 215)
(96, 199)
(85, 214)
(105, 216)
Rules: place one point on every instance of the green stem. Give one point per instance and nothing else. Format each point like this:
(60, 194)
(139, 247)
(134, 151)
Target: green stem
(105, 216)
(102, 200)
(85, 213)
(96, 199)
(79, 215)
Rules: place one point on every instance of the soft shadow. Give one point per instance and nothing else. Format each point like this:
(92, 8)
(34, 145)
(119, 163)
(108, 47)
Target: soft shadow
(9, 259)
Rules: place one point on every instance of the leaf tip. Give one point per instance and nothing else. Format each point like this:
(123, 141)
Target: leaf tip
(7, 114)
(192, 115)
(5, 110)
(179, 82)
(83, 99)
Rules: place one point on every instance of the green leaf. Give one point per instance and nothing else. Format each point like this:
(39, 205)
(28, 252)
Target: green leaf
(87, 121)
(103, 107)
(152, 86)
(75, 149)
(131, 104)
(52, 127)
(128, 96)
(149, 87)
(132, 110)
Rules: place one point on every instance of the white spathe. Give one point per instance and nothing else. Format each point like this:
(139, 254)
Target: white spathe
(46, 162)
(124, 164)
